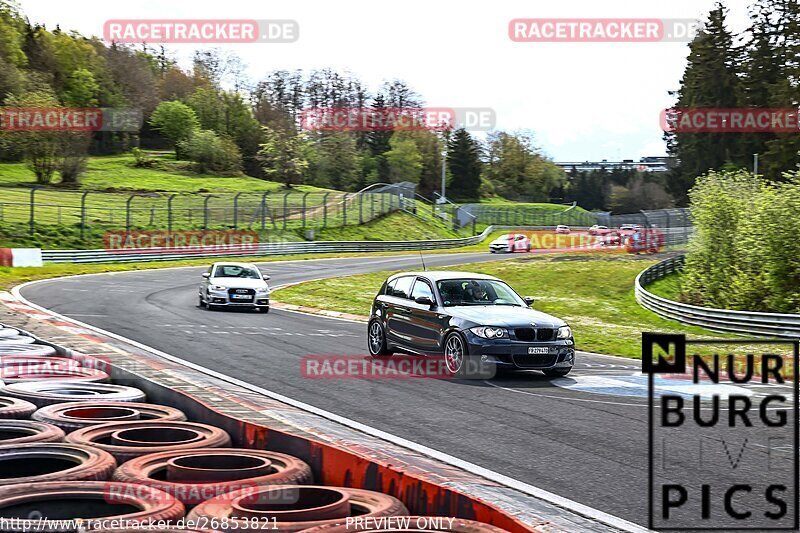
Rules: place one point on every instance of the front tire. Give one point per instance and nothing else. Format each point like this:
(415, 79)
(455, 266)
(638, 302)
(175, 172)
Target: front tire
(201, 303)
(376, 340)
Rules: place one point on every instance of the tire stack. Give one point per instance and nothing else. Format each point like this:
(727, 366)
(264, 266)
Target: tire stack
(75, 446)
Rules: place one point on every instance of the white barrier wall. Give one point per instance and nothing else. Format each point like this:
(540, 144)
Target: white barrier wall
(21, 257)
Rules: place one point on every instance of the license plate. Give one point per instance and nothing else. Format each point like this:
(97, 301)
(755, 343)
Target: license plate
(241, 296)
(538, 350)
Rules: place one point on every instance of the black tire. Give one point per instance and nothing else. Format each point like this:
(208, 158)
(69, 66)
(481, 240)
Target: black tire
(376, 339)
(201, 303)
(265, 310)
(211, 307)
(557, 372)
(469, 366)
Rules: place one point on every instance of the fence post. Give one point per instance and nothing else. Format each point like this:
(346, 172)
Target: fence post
(83, 213)
(371, 206)
(361, 208)
(473, 225)
(304, 209)
(264, 211)
(325, 210)
(205, 211)
(236, 210)
(32, 221)
(169, 213)
(286, 209)
(128, 213)
(344, 210)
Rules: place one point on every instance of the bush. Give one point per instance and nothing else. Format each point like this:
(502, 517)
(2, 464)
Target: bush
(747, 240)
(142, 159)
(211, 153)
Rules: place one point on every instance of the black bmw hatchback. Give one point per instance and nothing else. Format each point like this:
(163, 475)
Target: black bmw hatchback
(469, 319)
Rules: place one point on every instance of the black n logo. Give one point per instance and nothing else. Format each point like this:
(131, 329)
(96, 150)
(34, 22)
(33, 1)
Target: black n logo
(663, 353)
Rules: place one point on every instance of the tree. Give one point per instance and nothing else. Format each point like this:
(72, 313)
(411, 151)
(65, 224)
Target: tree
(710, 80)
(403, 159)
(516, 168)
(281, 156)
(48, 151)
(74, 155)
(176, 121)
(211, 153)
(430, 146)
(81, 89)
(463, 159)
(337, 165)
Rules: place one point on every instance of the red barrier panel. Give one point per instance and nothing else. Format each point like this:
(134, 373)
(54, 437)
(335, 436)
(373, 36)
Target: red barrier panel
(6, 258)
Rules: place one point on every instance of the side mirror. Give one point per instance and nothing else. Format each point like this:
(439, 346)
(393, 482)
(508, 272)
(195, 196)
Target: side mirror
(424, 300)
(529, 300)
(265, 276)
(206, 275)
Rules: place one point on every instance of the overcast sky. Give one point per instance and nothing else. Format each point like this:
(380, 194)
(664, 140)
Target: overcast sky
(583, 101)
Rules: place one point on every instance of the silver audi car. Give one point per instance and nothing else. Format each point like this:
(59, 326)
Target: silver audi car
(234, 285)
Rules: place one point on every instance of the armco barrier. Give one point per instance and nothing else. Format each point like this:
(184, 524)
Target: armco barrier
(338, 454)
(673, 236)
(746, 322)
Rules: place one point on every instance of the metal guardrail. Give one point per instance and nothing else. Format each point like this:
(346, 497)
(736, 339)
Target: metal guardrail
(287, 248)
(746, 322)
(261, 249)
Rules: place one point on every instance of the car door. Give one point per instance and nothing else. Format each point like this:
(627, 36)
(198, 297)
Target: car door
(398, 311)
(425, 329)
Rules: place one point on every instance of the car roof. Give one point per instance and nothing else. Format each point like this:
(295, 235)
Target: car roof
(438, 275)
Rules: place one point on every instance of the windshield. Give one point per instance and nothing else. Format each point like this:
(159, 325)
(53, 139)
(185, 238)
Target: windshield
(477, 292)
(234, 271)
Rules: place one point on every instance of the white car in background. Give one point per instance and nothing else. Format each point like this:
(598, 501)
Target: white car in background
(234, 285)
(511, 242)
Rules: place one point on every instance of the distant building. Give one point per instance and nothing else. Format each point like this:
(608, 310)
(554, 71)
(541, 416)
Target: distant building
(645, 164)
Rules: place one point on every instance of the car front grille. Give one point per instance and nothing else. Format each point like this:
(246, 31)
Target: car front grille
(533, 361)
(535, 334)
(235, 295)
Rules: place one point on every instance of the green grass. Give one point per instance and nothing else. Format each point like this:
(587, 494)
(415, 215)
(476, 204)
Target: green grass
(667, 287)
(594, 294)
(502, 202)
(118, 173)
(391, 227)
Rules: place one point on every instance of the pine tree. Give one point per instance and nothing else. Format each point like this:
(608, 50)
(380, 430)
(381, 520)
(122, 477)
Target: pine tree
(463, 159)
(710, 80)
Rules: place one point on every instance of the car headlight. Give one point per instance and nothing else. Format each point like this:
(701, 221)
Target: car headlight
(262, 290)
(216, 287)
(489, 332)
(564, 332)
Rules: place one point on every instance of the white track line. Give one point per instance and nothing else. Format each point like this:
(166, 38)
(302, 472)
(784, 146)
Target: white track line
(536, 492)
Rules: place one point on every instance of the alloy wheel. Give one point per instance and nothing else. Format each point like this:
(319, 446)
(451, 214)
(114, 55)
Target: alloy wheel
(454, 354)
(375, 338)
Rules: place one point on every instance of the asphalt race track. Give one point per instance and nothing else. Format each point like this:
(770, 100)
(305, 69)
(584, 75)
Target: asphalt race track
(583, 437)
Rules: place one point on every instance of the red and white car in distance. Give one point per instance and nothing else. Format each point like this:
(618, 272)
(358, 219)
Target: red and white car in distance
(598, 230)
(510, 242)
(562, 229)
